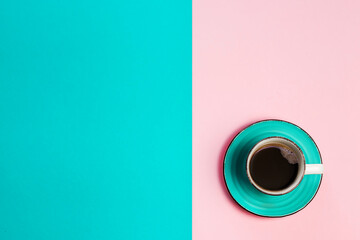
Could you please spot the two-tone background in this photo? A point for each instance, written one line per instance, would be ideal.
(115, 115)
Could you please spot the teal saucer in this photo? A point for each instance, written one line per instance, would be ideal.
(245, 194)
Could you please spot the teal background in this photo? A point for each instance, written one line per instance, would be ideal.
(95, 119)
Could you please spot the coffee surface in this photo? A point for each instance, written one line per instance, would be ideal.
(273, 168)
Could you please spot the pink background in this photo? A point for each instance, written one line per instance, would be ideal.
(292, 60)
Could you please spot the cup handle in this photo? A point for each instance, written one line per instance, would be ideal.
(314, 169)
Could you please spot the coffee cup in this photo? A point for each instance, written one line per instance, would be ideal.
(276, 166)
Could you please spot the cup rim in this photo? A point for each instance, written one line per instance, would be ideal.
(273, 193)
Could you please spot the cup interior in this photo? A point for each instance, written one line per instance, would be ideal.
(292, 153)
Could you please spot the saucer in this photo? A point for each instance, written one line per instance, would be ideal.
(245, 194)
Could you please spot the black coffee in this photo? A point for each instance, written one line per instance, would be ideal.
(274, 168)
